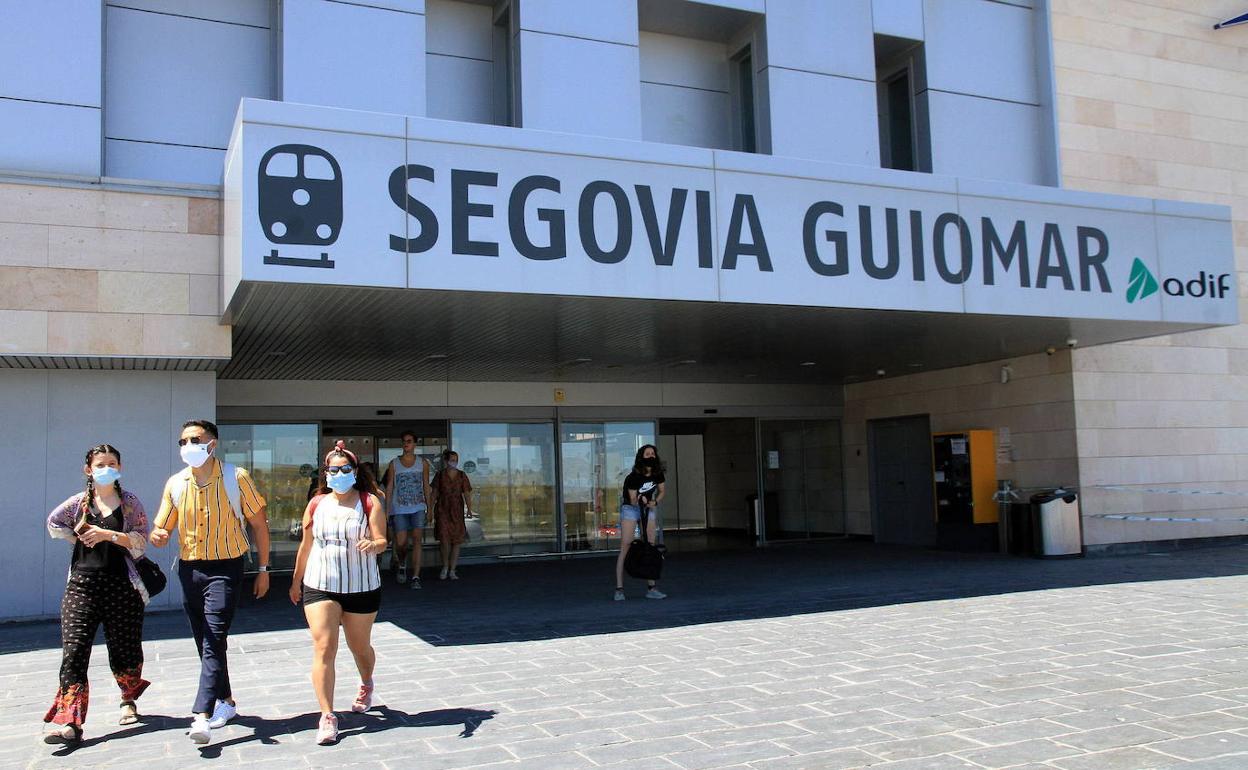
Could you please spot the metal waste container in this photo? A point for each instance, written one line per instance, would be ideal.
(1057, 525)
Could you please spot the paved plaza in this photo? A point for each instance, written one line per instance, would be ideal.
(834, 655)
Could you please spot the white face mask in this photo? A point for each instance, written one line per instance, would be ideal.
(194, 455)
(341, 483)
(105, 476)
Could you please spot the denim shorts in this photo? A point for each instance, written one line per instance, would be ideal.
(633, 513)
(406, 522)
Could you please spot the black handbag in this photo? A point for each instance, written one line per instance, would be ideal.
(152, 575)
(644, 560)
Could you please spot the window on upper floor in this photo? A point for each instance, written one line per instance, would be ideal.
(471, 64)
(744, 134)
(698, 67)
(901, 97)
(174, 71)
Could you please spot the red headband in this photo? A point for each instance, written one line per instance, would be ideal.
(341, 446)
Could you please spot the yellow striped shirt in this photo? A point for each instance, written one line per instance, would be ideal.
(209, 528)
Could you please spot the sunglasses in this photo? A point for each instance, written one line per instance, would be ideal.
(194, 440)
(334, 470)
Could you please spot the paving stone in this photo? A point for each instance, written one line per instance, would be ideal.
(839, 759)
(1018, 753)
(825, 656)
(1206, 746)
(725, 756)
(1132, 758)
(912, 748)
(944, 762)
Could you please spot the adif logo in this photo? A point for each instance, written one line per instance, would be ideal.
(1142, 284)
(300, 201)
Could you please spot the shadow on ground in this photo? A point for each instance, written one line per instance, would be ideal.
(282, 730)
(521, 601)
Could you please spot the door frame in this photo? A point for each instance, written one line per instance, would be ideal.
(872, 447)
(760, 518)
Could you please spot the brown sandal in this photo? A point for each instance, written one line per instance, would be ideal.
(69, 735)
(129, 713)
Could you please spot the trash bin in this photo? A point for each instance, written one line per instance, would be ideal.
(1018, 523)
(1057, 527)
(771, 513)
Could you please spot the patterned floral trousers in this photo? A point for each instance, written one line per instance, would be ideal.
(92, 599)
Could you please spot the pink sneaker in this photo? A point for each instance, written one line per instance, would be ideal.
(327, 730)
(363, 701)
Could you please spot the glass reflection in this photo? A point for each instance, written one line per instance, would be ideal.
(283, 460)
(512, 470)
(596, 457)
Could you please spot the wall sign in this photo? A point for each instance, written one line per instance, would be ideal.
(311, 198)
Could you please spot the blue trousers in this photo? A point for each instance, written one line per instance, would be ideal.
(210, 590)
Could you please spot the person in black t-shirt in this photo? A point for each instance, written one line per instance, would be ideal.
(643, 488)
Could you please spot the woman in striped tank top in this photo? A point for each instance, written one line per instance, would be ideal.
(336, 577)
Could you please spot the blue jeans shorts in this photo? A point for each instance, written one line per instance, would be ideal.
(406, 522)
(630, 518)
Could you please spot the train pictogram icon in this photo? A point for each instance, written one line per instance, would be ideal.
(300, 202)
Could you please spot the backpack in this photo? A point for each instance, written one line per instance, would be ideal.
(233, 493)
(644, 560)
(229, 476)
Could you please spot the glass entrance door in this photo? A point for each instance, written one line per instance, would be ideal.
(283, 461)
(511, 466)
(803, 491)
(596, 457)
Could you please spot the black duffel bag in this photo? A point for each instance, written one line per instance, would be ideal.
(644, 560)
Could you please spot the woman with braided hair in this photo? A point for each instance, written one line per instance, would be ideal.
(108, 528)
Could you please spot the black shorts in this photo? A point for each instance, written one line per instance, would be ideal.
(363, 603)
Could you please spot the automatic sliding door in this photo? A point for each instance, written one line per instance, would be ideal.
(803, 490)
(283, 461)
(512, 470)
(596, 457)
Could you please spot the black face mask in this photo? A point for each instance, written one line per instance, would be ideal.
(650, 463)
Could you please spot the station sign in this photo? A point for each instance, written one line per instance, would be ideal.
(324, 196)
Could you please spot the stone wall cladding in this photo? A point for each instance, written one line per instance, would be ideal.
(1152, 101)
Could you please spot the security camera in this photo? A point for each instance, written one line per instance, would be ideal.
(1071, 342)
(1050, 350)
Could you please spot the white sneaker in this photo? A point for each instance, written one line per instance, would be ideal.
(454, 576)
(327, 730)
(364, 701)
(200, 732)
(402, 578)
(224, 712)
(442, 574)
(655, 593)
(619, 595)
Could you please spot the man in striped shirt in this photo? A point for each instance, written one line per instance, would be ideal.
(203, 504)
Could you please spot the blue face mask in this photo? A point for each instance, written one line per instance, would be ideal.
(105, 476)
(341, 482)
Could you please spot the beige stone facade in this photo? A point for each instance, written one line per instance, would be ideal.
(1036, 405)
(1153, 101)
(93, 272)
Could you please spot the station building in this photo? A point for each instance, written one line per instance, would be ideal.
(848, 264)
